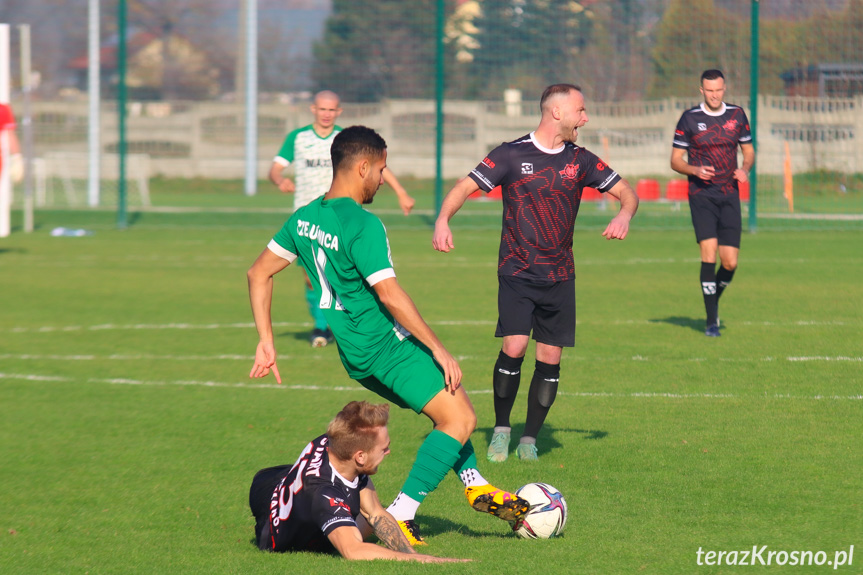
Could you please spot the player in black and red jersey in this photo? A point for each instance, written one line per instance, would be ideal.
(542, 176)
(708, 135)
(326, 501)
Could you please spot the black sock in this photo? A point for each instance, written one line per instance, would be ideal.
(543, 390)
(723, 278)
(708, 289)
(505, 381)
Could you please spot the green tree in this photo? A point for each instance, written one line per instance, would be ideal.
(528, 45)
(693, 36)
(375, 49)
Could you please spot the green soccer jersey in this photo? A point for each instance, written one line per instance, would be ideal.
(345, 251)
(310, 155)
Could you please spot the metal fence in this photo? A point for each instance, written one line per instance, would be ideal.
(638, 62)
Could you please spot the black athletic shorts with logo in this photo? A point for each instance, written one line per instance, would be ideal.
(545, 308)
(716, 217)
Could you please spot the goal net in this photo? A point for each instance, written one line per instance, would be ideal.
(62, 180)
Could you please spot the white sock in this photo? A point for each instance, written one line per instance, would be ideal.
(472, 478)
(403, 508)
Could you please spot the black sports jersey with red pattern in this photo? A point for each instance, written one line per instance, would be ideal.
(541, 190)
(297, 508)
(711, 139)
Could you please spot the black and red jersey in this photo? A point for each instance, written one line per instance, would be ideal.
(297, 507)
(541, 190)
(711, 139)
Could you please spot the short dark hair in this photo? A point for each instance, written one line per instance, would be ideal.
(711, 75)
(354, 143)
(554, 90)
(355, 427)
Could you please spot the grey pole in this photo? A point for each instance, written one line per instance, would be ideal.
(27, 126)
(94, 97)
(251, 97)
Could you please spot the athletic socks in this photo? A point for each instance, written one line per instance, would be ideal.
(436, 457)
(723, 278)
(465, 467)
(543, 391)
(429, 470)
(403, 508)
(315, 309)
(708, 290)
(505, 381)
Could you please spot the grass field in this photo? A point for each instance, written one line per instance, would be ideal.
(129, 431)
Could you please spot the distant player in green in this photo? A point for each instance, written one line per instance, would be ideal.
(383, 341)
(307, 149)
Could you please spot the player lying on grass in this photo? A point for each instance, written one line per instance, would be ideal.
(383, 341)
(326, 501)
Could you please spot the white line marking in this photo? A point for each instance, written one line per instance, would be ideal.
(149, 357)
(242, 357)
(477, 322)
(33, 377)
(342, 388)
(823, 358)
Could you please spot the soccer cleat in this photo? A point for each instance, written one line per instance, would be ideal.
(498, 449)
(712, 331)
(489, 499)
(412, 532)
(329, 335)
(526, 451)
(318, 338)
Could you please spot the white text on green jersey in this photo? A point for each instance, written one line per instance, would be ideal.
(314, 231)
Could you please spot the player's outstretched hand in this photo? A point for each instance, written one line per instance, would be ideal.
(740, 175)
(265, 360)
(442, 239)
(617, 228)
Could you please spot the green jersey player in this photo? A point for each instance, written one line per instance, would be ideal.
(383, 341)
(307, 151)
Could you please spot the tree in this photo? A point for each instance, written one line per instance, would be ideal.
(528, 45)
(694, 35)
(374, 49)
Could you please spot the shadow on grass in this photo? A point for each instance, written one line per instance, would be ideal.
(546, 441)
(696, 324)
(439, 526)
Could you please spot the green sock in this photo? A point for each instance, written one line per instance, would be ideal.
(436, 456)
(315, 310)
(466, 469)
(466, 459)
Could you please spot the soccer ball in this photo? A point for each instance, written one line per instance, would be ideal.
(547, 515)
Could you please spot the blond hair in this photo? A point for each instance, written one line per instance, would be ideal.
(355, 428)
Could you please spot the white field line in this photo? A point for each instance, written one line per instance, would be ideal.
(479, 322)
(242, 357)
(342, 388)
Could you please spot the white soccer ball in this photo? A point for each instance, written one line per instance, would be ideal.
(547, 515)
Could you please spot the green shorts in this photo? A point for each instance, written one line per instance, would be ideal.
(409, 378)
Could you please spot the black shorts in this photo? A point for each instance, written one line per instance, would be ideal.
(547, 309)
(260, 496)
(716, 217)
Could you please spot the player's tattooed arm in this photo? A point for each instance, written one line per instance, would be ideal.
(388, 531)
